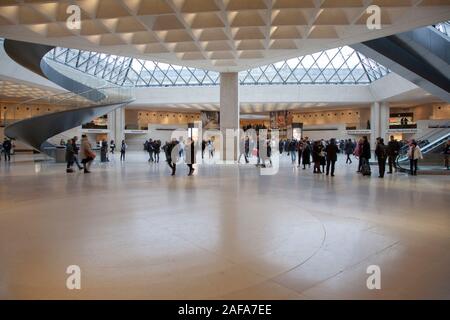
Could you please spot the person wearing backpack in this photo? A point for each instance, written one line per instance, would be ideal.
(381, 153)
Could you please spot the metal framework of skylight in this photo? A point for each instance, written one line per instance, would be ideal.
(341, 65)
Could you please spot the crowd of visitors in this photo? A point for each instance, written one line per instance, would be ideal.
(322, 154)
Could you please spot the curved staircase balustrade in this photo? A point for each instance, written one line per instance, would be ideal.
(83, 103)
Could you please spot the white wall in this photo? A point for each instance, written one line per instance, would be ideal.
(163, 135)
(255, 94)
(135, 142)
(317, 134)
(423, 127)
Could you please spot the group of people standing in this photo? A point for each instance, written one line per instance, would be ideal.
(322, 154)
(153, 147)
(112, 148)
(389, 153)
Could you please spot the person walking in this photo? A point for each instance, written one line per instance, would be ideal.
(123, 149)
(7, 146)
(157, 150)
(242, 143)
(331, 151)
(348, 148)
(112, 146)
(172, 154)
(414, 154)
(86, 153)
(393, 149)
(190, 155)
(150, 150)
(381, 153)
(69, 155)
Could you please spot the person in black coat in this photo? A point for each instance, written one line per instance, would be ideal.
(7, 146)
(104, 152)
(69, 155)
(150, 150)
(300, 152)
(323, 156)
(349, 148)
(247, 146)
(393, 149)
(190, 155)
(203, 148)
(172, 152)
(365, 152)
(381, 153)
(112, 146)
(332, 151)
(306, 155)
(446, 153)
(157, 149)
(316, 156)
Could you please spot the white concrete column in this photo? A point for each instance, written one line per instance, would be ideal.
(116, 125)
(374, 123)
(384, 120)
(229, 114)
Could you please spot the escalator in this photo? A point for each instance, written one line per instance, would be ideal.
(87, 99)
(432, 151)
(420, 56)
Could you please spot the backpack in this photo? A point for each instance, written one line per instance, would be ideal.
(365, 168)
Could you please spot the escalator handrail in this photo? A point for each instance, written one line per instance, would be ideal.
(426, 137)
(426, 149)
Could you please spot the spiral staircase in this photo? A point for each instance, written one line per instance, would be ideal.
(87, 97)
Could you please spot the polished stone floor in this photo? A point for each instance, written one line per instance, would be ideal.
(224, 233)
